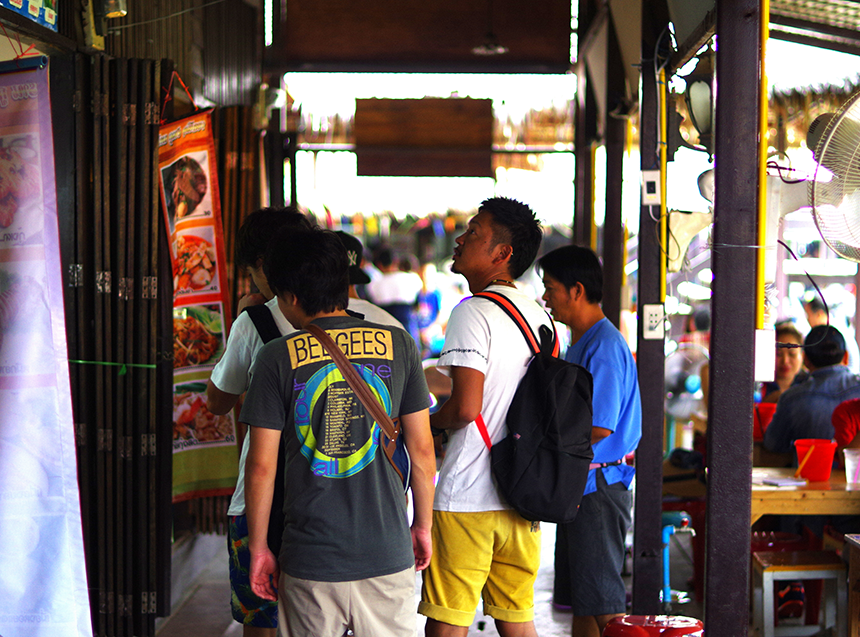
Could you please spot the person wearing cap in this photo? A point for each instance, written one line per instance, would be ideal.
(357, 276)
(805, 409)
(816, 314)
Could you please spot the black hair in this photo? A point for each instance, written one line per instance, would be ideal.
(515, 223)
(260, 226)
(824, 346)
(570, 265)
(702, 319)
(815, 304)
(312, 265)
(384, 257)
(787, 328)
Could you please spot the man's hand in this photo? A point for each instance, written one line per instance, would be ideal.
(422, 547)
(249, 300)
(264, 574)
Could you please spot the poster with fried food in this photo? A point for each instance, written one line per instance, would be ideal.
(205, 458)
(198, 335)
(195, 262)
(204, 444)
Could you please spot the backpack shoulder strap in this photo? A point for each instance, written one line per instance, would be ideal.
(516, 316)
(263, 320)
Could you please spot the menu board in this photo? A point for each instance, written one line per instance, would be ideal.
(43, 578)
(204, 444)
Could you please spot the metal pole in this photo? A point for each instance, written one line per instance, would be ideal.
(647, 542)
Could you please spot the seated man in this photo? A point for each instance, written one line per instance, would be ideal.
(805, 409)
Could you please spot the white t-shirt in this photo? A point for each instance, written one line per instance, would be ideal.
(373, 314)
(395, 287)
(232, 374)
(482, 337)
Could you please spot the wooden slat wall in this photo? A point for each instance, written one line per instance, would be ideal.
(215, 48)
(110, 261)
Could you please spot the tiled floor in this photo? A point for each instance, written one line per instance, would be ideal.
(206, 611)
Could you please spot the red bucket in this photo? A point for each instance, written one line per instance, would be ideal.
(762, 415)
(815, 458)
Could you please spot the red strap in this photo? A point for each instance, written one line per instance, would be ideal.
(483, 429)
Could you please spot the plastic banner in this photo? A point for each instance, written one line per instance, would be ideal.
(43, 12)
(43, 579)
(205, 460)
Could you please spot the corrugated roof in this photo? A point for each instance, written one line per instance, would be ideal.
(833, 24)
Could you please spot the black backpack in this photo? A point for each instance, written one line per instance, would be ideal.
(541, 466)
(268, 330)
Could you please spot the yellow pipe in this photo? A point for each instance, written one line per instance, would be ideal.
(663, 211)
(762, 169)
(593, 233)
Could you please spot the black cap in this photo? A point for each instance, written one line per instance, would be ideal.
(824, 346)
(355, 252)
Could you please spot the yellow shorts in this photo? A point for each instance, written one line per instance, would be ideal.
(492, 555)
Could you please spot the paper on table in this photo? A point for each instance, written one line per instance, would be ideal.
(784, 482)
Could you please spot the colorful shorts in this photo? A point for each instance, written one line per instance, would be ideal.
(247, 608)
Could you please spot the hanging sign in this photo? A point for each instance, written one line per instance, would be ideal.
(43, 578)
(43, 12)
(204, 445)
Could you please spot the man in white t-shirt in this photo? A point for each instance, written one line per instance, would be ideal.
(481, 546)
(228, 381)
(231, 377)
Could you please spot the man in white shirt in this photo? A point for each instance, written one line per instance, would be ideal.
(230, 378)
(481, 546)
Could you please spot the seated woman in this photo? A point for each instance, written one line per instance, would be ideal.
(789, 361)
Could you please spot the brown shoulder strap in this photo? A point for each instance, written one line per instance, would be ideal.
(361, 390)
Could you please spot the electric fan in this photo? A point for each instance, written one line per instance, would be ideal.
(683, 381)
(833, 192)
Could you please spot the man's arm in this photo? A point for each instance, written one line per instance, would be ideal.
(466, 401)
(260, 469)
(599, 433)
(419, 444)
(219, 402)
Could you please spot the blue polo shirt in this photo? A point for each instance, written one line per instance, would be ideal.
(603, 351)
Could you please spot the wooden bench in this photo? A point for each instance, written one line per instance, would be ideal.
(772, 566)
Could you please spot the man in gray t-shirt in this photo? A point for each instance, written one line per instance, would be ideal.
(348, 556)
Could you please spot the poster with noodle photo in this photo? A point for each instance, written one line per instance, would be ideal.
(204, 444)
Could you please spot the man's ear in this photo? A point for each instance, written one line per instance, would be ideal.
(845, 359)
(505, 252)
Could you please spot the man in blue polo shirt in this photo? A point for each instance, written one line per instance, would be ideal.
(590, 550)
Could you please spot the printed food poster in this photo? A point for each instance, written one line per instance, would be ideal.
(205, 457)
(43, 576)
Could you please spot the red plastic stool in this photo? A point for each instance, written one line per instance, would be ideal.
(647, 625)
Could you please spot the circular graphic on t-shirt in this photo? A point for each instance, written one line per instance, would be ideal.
(327, 400)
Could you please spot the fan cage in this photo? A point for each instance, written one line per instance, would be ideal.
(834, 192)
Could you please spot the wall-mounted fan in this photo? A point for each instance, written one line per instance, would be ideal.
(833, 192)
(683, 381)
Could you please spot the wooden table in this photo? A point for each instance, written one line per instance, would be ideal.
(834, 497)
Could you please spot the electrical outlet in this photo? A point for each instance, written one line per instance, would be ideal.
(653, 317)
(650, 187)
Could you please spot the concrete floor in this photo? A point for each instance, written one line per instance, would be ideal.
(205, 612)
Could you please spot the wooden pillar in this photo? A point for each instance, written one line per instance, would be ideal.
(613, 231)
(733, 310)
(647, 538)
